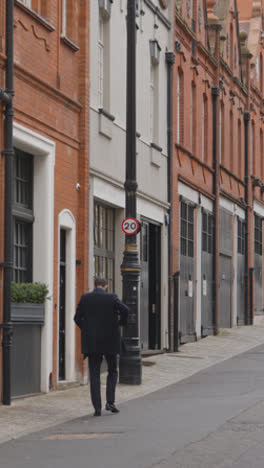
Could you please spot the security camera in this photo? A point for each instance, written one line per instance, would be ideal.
(78, 186)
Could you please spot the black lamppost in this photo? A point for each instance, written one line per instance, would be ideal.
(130, 367)
(6, 97)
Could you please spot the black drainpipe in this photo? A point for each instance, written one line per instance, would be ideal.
(215, 94)
(246, 125)
(7, 98)
(170, 60)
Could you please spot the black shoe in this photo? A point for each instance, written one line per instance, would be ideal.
(97, 412)
(111, 407)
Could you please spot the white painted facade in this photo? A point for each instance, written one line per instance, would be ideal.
(107, 132)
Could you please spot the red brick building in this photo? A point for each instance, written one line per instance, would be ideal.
(217, 168)
(50, 207)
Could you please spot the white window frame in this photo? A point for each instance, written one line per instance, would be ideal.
(101, 63)
(64, 18)
(27, 3)
(152, 101)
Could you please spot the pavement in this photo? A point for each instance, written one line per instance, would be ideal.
(29, 415)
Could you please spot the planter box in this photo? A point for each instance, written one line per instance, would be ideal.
(27, 313)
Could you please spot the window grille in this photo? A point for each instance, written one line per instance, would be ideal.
(23, 216)
(187, 229)
(241, 229)
(104, 243)
(207, 232)
(258, 235)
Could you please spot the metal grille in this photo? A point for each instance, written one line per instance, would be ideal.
(104, 242)
(241, 237)
(207, 233)
(187, 230)
(22, 254)
(23, 180)
(258, 235)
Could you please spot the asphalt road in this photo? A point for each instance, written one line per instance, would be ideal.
(213, 419)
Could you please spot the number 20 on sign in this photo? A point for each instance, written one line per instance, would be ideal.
(130, 226)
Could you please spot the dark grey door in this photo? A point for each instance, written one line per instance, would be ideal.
(240, 272)
(225, 304)
(62, 304)
(225, 269)
(258, 265)
(207, 327)
(186, 323)
(144, 290)
(258, 284)
(154, 286)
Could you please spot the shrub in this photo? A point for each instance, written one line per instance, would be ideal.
(29, 292)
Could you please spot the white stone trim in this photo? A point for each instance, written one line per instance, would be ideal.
(258, 209)
(43, 151)
(195, 197)
(109, 193)
(232, 207)
(66, 221)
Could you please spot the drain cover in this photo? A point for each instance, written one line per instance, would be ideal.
(91, 435)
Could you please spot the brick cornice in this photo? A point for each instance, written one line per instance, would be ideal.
(46, 88)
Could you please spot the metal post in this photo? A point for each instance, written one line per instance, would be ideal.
(215, 94)
(130, 366)
(246, 125)
(170, 60)
(8, 229)
(176, 286)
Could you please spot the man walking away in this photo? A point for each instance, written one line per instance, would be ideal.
(99, 315)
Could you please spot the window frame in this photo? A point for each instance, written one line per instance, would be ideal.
(107, 253)
(22, 214)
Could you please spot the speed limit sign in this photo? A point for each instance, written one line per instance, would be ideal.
(130, 226)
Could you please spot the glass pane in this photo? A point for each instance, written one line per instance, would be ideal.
(190, 231)
(204, 222)
(190, 214)
(190, 249)
(204, 242)
(110, 272)
(183, 247)
(183, 228)
(210, 244)
(183, 210)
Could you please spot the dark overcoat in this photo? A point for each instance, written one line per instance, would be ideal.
(99, 315)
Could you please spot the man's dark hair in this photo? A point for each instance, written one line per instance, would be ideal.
(100, 282)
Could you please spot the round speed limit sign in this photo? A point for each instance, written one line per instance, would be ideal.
(130, 226)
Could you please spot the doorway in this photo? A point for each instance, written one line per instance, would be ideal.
(62, 303)
(150, 325)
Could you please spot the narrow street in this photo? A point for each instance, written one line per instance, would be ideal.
(213, 419)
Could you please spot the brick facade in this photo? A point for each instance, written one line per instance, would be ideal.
(51, 72)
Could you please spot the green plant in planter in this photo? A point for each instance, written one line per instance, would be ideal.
(35, 293)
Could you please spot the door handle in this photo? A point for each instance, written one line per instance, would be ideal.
(153, 308)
